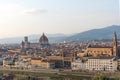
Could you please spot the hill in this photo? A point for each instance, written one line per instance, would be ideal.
(96, 34)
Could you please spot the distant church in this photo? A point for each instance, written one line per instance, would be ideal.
(96, 50)
(42, 44)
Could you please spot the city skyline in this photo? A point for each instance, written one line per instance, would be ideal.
(25, 17)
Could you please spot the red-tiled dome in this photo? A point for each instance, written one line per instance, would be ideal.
(43, 38)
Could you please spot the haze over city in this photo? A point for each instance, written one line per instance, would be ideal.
(25, 17)
(59, 40)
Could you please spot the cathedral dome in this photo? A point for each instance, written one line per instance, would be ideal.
(43, 39)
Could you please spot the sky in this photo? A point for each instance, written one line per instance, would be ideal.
(26, 17)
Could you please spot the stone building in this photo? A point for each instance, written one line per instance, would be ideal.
(96, 64)
(102, 64)
(41, 64)
(78, 65)
(42, 44)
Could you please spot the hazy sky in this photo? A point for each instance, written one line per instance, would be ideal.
(25, 17)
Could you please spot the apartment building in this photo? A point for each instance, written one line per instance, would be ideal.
(96, 64)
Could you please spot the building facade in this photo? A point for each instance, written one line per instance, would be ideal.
(78, 65)
(38, 63)
(97, 51)
(102, 64)
(96, 64)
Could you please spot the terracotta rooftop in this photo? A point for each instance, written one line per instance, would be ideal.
(54, 57)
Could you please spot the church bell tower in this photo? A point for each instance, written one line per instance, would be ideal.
(115, 45)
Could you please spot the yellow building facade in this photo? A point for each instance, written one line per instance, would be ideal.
(41, 64)
(99, 51)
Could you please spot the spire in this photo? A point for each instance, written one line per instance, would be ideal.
(115, 36)
(115, 44)
(22, 44)
(115, 39)
(43, 34)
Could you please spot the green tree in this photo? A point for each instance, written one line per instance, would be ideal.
(100, 77)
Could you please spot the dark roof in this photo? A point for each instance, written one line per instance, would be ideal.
(103, 57)
(36, 58)
(98, 46)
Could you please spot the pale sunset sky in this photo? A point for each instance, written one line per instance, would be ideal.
(25, 17)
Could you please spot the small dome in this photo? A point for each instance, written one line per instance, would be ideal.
(43, 38)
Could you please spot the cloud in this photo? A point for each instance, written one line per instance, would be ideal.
(37, 11)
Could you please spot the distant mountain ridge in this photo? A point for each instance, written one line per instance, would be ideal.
(97, 34)
(94, 34)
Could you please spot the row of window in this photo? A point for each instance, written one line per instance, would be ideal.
(99, 51)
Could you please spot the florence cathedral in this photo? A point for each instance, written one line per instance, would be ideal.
(42, 44)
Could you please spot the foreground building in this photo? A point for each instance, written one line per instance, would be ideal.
(78, 65)
(102, 64)
(41, 64)
(96, 64)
